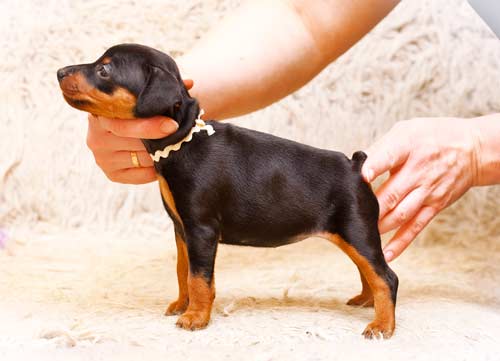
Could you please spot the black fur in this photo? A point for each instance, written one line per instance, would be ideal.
(244, 187)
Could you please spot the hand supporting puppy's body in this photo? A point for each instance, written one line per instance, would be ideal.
(451, 156)
(237, 186)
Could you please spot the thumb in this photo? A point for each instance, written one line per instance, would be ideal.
(144, 128)
(387, 153)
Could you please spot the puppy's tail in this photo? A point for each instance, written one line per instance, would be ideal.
(358, 158)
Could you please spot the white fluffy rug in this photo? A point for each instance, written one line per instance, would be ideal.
(89, 265)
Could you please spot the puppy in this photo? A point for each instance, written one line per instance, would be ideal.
(225, 184)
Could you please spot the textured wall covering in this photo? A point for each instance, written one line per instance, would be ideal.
(71, 278)
(427, 59)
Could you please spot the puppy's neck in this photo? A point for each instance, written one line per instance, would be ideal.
(185, 116)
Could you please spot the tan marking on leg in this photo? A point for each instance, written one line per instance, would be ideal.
(365, 298)
(180, 305)
(201, 298)
(168, 198)
(384, 323)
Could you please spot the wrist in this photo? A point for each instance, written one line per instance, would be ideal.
(486, 132)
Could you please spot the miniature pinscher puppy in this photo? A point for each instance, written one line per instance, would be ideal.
(223, 183)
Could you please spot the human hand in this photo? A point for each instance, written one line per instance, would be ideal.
(113, 140)
(432, 162)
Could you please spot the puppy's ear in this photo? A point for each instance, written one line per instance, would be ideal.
(160, 94)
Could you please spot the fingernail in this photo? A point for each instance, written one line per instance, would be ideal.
(388, 255)
(169, 126)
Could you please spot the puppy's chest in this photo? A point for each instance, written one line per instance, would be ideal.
(169, 201)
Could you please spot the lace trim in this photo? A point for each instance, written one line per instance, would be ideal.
(199, 126)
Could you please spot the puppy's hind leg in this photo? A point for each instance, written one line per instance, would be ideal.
(364, 248)
(365, 298)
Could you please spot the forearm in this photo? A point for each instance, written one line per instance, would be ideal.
(268, 49)
(488, 150)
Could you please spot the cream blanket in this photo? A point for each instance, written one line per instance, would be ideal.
(89, 265)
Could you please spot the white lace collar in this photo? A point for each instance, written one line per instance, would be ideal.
(198, 127)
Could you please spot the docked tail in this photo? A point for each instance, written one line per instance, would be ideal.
(358, 158)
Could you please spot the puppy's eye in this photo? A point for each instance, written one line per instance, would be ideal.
(103, 70)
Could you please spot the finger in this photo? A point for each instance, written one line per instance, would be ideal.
(147, 128)
(133, 175)
(384, 155)
(103, 142)
(394, 189)
(95, 125)
(407, 233)
(113, 161)
(403, 212)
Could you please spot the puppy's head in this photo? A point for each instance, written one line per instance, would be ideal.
(127, 81)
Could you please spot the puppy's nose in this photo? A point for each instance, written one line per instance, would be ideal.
(62, 73)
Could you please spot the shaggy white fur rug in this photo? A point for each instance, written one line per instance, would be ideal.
(88, 268)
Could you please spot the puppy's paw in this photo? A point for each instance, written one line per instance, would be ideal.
(177, 307)
(362, 300)
(378, 330)
(193, 320)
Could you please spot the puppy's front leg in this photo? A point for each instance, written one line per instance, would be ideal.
(179, 306)
(201, 248)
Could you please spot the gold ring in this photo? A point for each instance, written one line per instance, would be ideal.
(135, 159)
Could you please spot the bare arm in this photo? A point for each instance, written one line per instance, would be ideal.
(488, 150)
(268, 49)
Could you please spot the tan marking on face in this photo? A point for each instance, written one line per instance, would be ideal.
(106, 60)
(384, 307)
(83, 96)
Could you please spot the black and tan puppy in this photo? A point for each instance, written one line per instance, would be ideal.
(222, 183)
